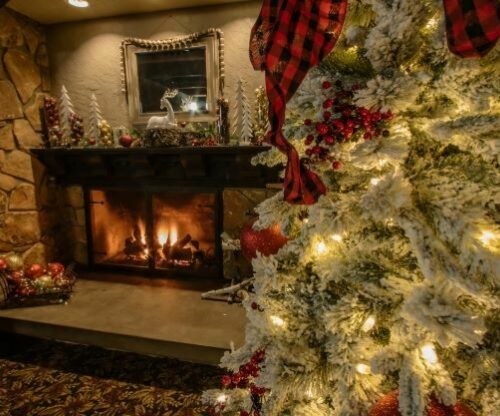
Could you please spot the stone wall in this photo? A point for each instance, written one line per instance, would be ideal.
(30, 219)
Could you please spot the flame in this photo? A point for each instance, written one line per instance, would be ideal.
(165, 234)
(162, 237)
(173, 234)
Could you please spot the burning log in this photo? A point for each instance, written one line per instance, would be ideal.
(134, 245)
(179, 251)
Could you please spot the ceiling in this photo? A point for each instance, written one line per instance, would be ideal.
(58, 11)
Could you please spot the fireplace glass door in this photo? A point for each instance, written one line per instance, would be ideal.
(166, 232)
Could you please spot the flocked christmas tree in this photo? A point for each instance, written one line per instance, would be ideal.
(70, 122)
(390, 282)
(242, 114)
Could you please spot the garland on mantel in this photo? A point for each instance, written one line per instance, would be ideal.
(174, 43)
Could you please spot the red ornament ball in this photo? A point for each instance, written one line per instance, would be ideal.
(33, 271)
(55, 269)
(389, 406)
(3, 265)
(266, 242)
(326, 85)
(126, 140)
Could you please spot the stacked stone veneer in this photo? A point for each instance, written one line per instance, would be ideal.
(36, 217)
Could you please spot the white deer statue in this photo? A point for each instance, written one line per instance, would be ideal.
(168, 121)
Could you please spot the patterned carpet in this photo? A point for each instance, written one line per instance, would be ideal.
(43, 378)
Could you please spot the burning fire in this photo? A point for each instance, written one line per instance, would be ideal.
(165, 234)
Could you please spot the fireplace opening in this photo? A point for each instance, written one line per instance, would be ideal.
(165, 232)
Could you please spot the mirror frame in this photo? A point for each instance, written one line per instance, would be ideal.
(213, 42)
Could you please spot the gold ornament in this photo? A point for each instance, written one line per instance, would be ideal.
(14, 262)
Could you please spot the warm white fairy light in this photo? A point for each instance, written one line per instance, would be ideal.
(337, 238)
(374, 181)
(309, 393)
(363, 369)
(432, 24)
(320, 247)
(276, 320)
(429, 353)
(305, 220)
(487, 237)
(222, 398)
(368, 324)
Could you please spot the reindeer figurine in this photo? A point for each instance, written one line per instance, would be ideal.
(168, 121)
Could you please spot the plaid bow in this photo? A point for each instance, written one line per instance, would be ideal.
(289, 38)
(472, 26)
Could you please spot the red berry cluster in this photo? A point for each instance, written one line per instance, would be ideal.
(341, 121)
(244, 379)
(256, 307)
(76, 123)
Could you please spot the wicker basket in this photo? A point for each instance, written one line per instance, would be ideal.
(57, 295)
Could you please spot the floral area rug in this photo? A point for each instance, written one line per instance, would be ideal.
(44, 378)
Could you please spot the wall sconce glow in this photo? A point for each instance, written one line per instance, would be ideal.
(374, 181)
(193, 106)
(276, 320)
(222, 399)
(369, 324)
(79, 3)
(487, 237)
(363, 369)
(321, 247)
(429, 353)
(337, 238)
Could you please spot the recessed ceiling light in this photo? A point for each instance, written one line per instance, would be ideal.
(79, 3)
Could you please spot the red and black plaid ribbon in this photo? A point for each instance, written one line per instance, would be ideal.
(289, 38)
(472, 26)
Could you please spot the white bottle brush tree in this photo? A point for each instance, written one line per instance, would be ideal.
(71, 123)
(242, 115)
(100, 131)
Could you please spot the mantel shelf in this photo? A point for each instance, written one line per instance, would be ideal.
(215, 167)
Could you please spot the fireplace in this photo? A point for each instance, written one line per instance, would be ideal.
(158, 231)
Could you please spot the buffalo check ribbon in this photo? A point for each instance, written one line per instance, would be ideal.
(472, 26)
(288, 38)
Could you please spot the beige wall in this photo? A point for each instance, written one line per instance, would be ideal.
(85, 56)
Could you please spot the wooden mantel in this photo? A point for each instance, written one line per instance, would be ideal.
(216, 167)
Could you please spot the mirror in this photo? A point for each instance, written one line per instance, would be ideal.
(191, 67)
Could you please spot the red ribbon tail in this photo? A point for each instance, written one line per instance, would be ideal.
(302, 186)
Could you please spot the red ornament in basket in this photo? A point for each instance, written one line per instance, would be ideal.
(33, 284)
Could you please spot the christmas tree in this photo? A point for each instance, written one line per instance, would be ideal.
(70, 122)
(99, 129)
(95, 118)
(386, 295)
(242, 115)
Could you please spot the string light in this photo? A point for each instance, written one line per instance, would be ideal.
(321, 247)
(222, 399)
(276, 320)
(429, 353)
(368, 324)
(309, 393)
(487, 237)
(337, 238)
(374, 181)
(363, 369)
(305, 220)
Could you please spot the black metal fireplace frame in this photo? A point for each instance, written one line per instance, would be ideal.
(151, 270)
